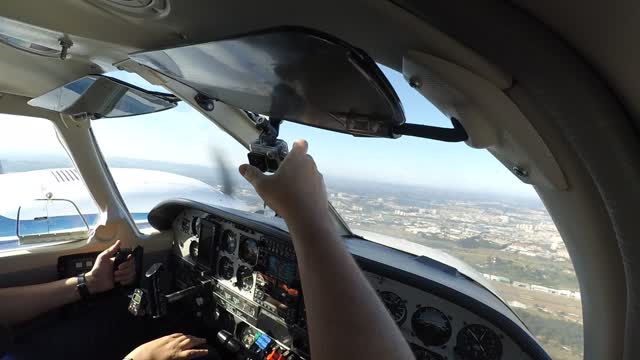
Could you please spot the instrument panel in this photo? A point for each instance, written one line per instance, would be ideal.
(438, 329)
(257, 290)
(257, 285)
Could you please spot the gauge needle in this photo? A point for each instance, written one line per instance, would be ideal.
(478, 341)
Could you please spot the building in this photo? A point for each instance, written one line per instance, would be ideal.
(501, 279)
(541, 288)
(522, 285)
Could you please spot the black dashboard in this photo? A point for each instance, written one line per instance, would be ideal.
(257, 287)
(257, 294)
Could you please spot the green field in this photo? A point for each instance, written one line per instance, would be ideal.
(562, 339)
(533, 270)
(557, 275)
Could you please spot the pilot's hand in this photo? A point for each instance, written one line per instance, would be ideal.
(102, 277)
(175, 346)
(296, 190)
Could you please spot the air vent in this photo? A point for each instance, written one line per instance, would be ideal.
(65, 175)
(135, 8)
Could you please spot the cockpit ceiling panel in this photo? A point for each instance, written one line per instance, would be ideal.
(379, 28)
(291, 73)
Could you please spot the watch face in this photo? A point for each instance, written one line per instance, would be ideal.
(83, 290)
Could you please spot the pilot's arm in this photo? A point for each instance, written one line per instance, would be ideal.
(346, 319)
(22, 303)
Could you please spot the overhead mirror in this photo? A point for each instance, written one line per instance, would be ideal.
(291, 73)
(99, 96)
(47, 220)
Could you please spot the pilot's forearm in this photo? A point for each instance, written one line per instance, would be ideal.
(346, 319)
(22, 303)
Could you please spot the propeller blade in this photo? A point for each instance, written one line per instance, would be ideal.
(219, 161)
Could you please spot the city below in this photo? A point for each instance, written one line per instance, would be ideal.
(511, 241)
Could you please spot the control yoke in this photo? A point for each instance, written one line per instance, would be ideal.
(152, 301)
(123, 255)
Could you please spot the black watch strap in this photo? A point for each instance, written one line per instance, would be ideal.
(82, 287)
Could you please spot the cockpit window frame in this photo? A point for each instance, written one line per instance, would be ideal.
(188, 95)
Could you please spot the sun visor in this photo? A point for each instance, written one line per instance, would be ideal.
(291, 73)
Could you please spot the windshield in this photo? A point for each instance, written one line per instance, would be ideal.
(176, 153)
(404, 193)
(460, 201)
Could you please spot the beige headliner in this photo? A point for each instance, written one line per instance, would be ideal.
(605, 33)
(599, 30)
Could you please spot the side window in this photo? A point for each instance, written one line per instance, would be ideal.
(44, 200)
(181, 154)
(176, 153)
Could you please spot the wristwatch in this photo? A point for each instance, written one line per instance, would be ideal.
(82, 287)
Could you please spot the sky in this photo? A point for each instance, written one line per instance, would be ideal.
(185, 136)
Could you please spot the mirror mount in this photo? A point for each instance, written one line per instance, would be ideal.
(269, 130)
(82, 116)
(205, 102)
(456, 134)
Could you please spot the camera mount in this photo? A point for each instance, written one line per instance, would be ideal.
(267, 152)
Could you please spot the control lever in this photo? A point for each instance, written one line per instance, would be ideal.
(230, 343)
(121, 257)
(123, 254)
(235, 347)
(153, 301)
(157, 303)
(263, 348)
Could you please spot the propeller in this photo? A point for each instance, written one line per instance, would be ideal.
(225, 174)
(219, 162)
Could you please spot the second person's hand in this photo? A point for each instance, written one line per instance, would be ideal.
(170, 347)
(102, 276)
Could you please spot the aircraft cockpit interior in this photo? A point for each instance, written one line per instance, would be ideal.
(469, 176)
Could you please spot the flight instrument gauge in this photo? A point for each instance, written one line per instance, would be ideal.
(423, 354)
(225, 268)
(396, 305)
(431, 326)
(478, 342)
(245, 278)
(193, 249)
(248, 250)
(195, 226)
(246, 334)
(229, 242)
